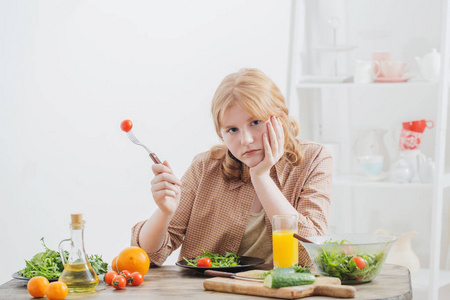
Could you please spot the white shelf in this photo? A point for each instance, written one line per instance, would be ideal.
(334, 48)
(446, 180)
(308, 85)
(357, 181)
(421, 279)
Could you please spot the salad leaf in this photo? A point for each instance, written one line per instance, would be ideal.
(97, 263)
(229, 260)
(49, 264)
(294, 269)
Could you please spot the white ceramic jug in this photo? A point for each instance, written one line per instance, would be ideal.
(429, 65)
(425, 168)
(411, 157)
(401, 252)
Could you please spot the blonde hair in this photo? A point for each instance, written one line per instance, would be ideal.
(261, 98)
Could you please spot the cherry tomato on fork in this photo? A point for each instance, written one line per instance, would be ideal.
(126, 125)
(204, 262)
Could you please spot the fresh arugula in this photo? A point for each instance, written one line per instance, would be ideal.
(229, 260)
(49, 264)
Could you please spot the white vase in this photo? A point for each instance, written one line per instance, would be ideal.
(401, 252)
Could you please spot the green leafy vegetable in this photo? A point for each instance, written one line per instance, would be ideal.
(291, 270)
(229, 260)
(100, 267)
(49, 264)
(340, 264)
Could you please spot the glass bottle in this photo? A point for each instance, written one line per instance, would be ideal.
(78, 273)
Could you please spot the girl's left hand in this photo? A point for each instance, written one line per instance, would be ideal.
(273, 142)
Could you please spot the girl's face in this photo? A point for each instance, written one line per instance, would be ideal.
(243, 135)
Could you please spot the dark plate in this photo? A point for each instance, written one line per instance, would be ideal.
(246, 263)
(17, 276)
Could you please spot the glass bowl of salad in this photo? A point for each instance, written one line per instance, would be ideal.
(353, 258)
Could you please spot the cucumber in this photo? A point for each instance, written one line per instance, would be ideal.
(282, 271)
(277, 280)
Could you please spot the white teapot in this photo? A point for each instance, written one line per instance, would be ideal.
(429, 65)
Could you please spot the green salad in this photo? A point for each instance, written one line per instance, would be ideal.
(229, 260)
(347, 265)
(49, 264)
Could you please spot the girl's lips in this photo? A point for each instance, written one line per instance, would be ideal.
(250, 152)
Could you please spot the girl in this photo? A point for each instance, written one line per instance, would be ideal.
(226, 199)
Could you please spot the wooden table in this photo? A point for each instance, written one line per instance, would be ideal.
(172, 282)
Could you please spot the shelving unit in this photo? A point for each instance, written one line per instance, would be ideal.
(303, 96)
(314, 85)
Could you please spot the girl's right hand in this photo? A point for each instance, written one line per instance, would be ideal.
(165, 188)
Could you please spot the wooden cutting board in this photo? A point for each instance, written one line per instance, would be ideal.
(324, 286)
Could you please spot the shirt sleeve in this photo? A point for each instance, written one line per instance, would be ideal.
(314, 201)
(177, 226)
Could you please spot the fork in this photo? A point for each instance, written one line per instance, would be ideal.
(136, 141)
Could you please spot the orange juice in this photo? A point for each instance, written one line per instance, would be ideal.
(285, 248)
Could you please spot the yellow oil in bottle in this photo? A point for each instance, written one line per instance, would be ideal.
(80, 278)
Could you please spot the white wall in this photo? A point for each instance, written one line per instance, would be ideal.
(71, 71)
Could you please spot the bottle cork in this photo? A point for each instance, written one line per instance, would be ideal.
(77, 221)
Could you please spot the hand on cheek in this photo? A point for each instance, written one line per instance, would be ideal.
(273, 142)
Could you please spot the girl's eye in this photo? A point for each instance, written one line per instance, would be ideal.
(231, 130)
(256, 122)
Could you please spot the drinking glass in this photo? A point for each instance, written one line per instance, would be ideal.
(285, 246)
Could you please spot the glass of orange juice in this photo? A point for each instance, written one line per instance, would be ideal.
(285, 246)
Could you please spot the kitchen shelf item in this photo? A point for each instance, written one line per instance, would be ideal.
(429, 65)
(401, 252)
(393, 80)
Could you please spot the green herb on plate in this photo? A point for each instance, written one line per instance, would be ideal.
(229, 260)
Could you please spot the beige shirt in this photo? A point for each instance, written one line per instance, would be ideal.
(256, 238)
(213, 213)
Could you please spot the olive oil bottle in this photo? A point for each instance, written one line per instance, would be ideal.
(78, 273)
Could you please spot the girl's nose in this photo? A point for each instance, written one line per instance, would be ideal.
(246, 137)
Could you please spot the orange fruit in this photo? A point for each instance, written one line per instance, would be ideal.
(57, 290)
(114, 264)
(133, 259)
(36, 286)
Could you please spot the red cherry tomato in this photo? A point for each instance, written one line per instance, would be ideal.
(136, 278)
(126, 274)
(109, 277)
(119, 282)
(204, 262)
(126, 125)
(360, 262)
